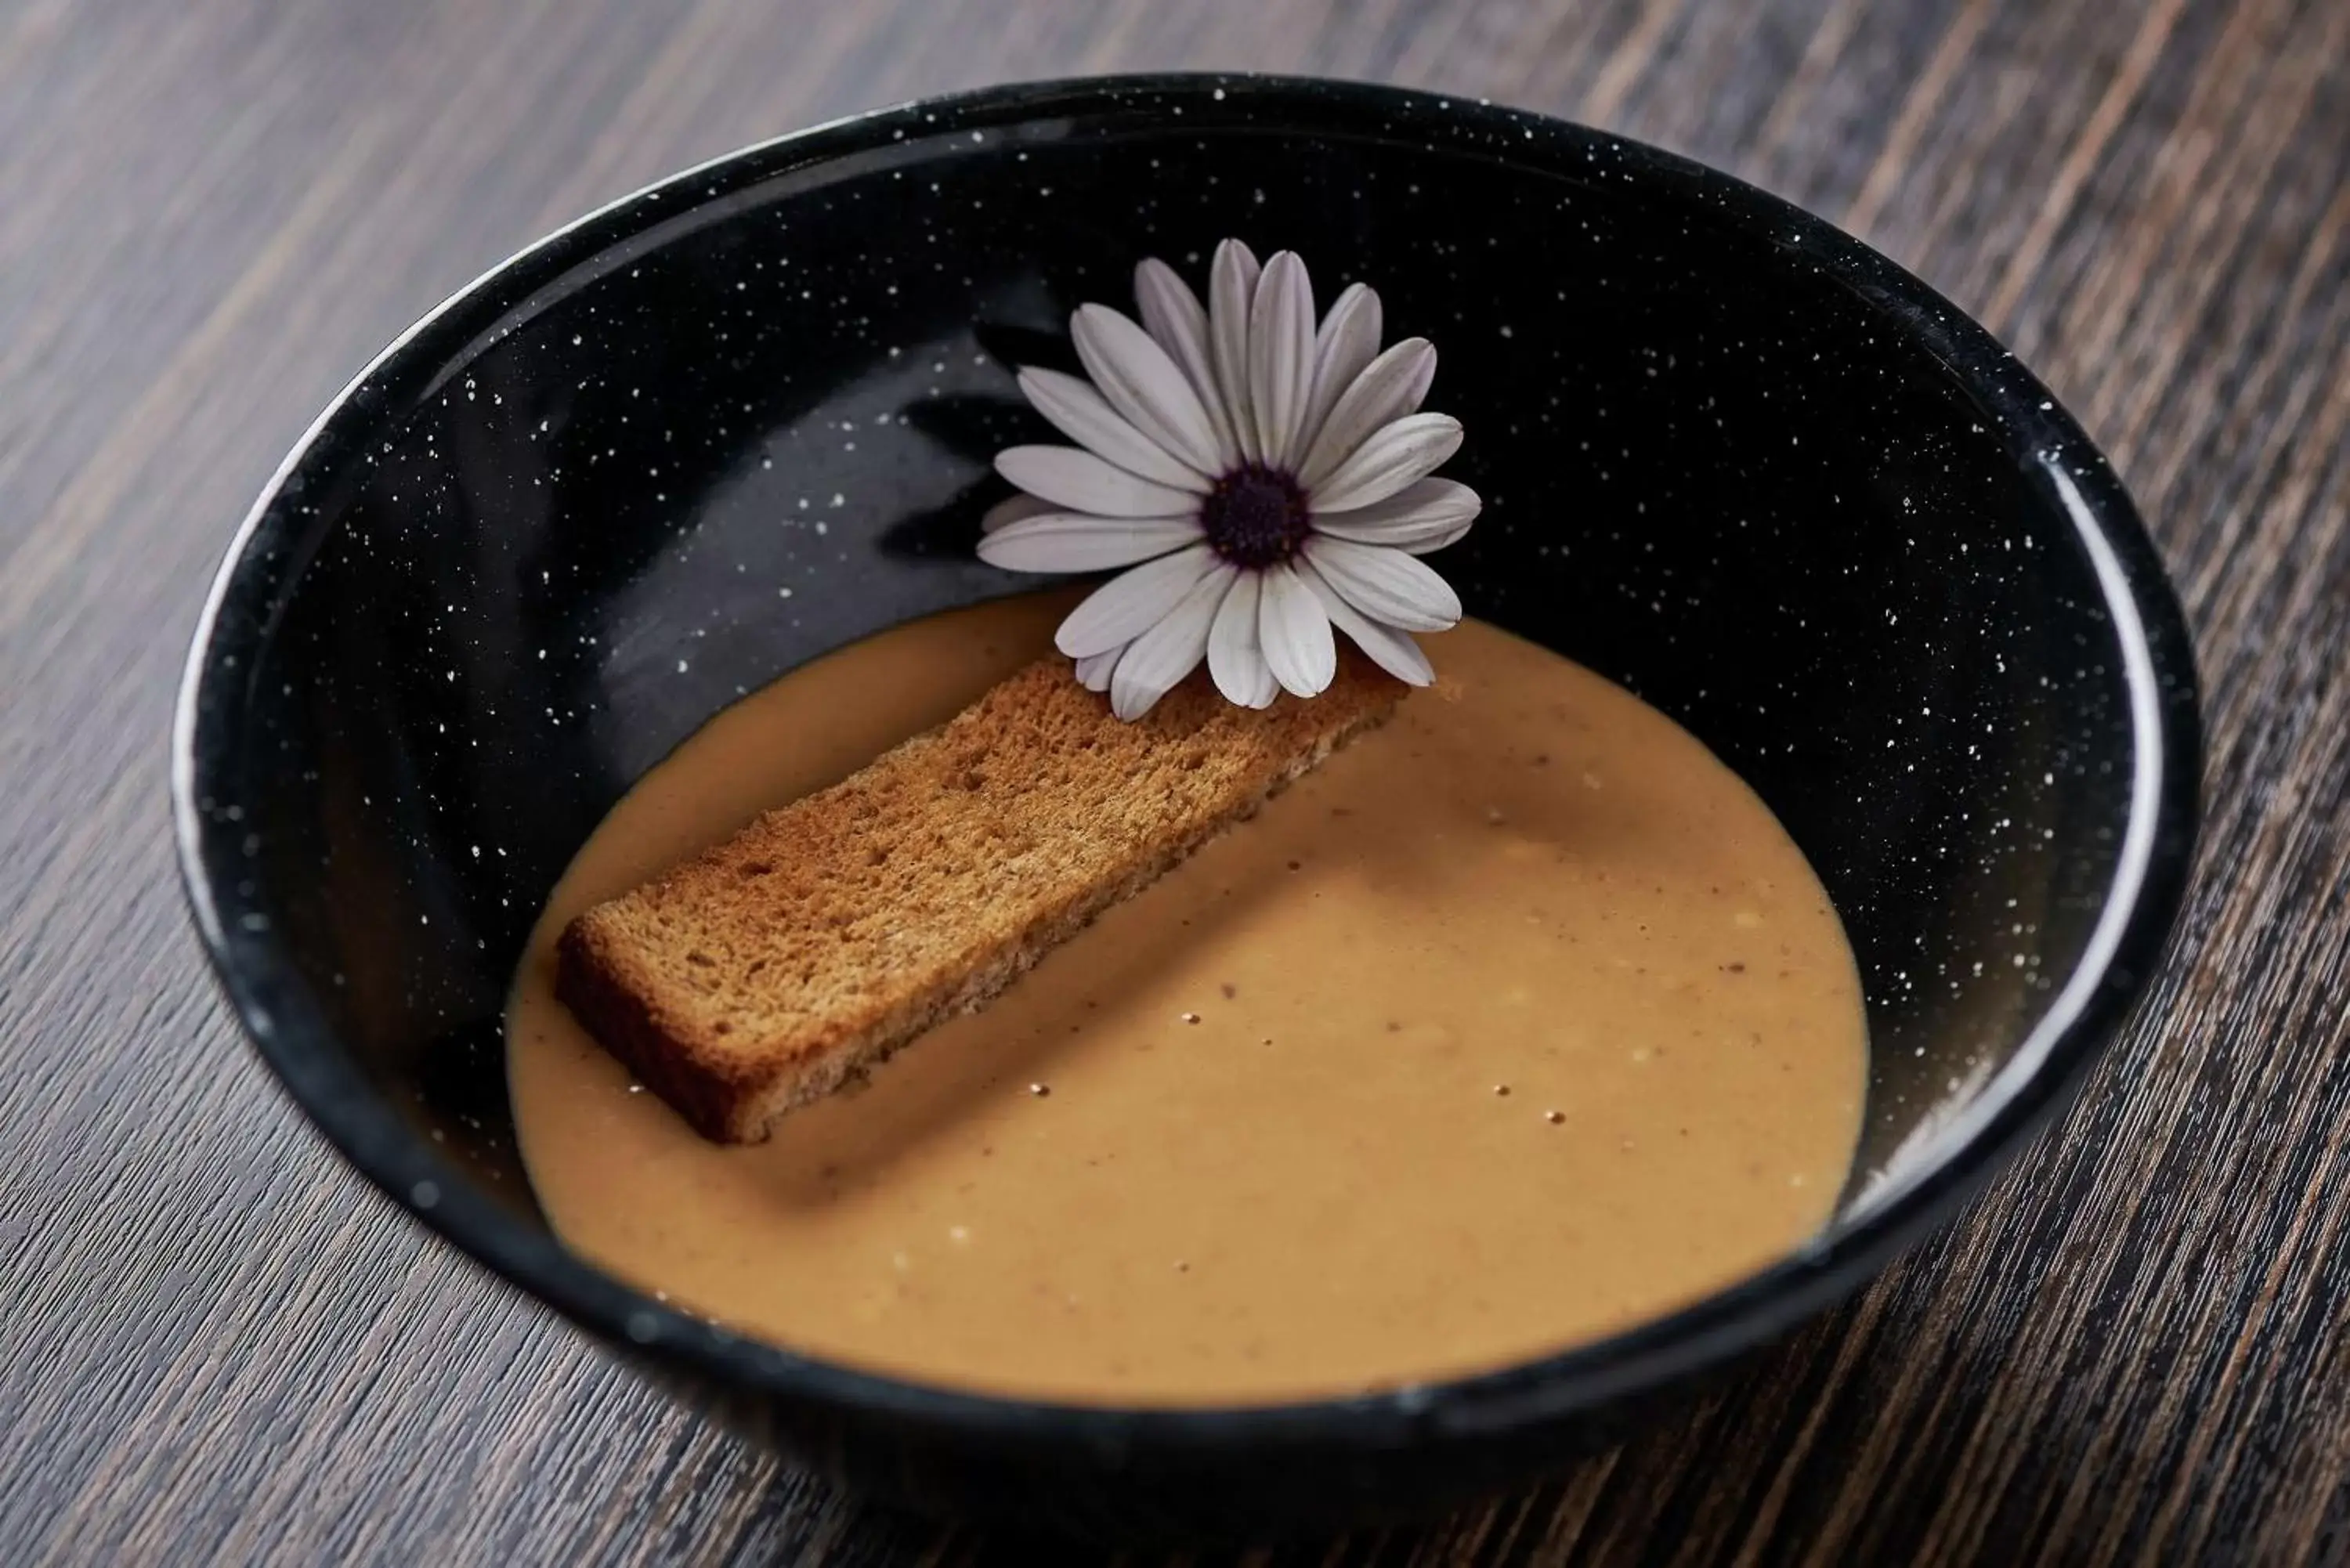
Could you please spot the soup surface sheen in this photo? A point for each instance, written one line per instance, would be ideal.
(1518, 1021)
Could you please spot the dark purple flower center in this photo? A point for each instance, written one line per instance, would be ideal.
(1255, 517)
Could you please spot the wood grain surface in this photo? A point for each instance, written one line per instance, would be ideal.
(215, 1345)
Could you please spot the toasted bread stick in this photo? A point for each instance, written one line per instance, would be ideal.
(769, 971)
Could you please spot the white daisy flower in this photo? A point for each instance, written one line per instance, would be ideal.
(1266, 479)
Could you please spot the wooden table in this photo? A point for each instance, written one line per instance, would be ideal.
(216, 1345)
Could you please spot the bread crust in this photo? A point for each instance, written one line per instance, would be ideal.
(769, 971)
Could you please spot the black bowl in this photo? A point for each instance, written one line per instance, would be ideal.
(1733, 460)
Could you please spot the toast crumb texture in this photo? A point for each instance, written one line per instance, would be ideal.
(769, 971)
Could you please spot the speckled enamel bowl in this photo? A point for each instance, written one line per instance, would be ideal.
(1732, 459)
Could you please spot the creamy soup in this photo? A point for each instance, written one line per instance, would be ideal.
(1517, 1023)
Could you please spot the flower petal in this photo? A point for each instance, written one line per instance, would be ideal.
(1072, 477)
(1418, 515)
(1386, 585)
(1093, 670)
(1142, 383)
(1131, 603)
(1173, 317)
(1294, 632)
(1235, 658)
(1170, 650)
(1232, 292)
(1393, 457)
(1391, 386)
(1391, 650)
(1280, 356)
(1012, 509)
(1348, 340)
(1430, 546)
(1079, 541)
(1085, 416)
